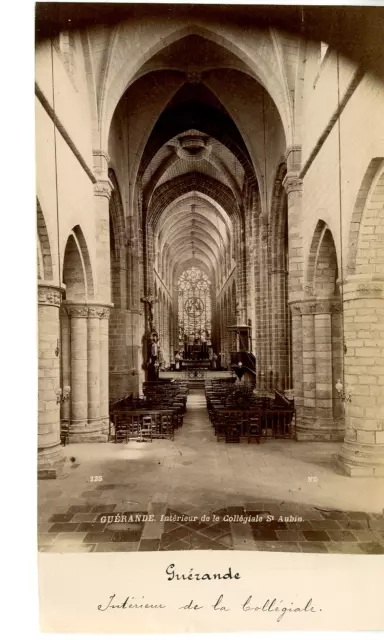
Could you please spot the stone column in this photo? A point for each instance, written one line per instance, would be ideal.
(265, 317)
(93, 379)
(102, 190)
(297, 362)
(65, 360)
(89, 372)
(279, 337)
(329, 423)
(337, 362)
(123, 291)
(241, 275)
(49, 449)
(104, 372)
(309, 367)
(323, 352)
(362, 453)
(294, 187)
(318, 420)
(79, 362)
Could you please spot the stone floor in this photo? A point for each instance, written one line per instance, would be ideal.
(196, 493)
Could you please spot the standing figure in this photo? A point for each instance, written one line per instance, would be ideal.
(153, 357)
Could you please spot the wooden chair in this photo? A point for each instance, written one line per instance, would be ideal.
(145, 428)
(121, 427)
(232, 428)
(254, 425)
(219, 424)
(156, 426)
(64, 432)
(167, 428)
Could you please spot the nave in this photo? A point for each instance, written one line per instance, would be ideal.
(210, 204)
(208, 490)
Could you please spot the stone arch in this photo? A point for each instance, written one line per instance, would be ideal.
(77, 272)
(44, 255)
(173, 121)
(173, 189)
(322, 248)
(86, 259)
(326, 270)
(258, 68)
(362, 199)
(323, 335)
(362, 452)
(369, 239)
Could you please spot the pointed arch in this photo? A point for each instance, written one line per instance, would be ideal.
(44, 255)
(173, 189)
(255, 65)
(77, 271)
(322, 270)
(365, 236)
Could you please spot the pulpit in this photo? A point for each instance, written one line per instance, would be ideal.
(243, 361)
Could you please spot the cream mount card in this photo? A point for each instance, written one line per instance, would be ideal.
(210, 278)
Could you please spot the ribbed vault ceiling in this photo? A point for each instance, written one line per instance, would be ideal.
(194, 165)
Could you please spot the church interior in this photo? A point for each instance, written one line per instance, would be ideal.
(210, 275)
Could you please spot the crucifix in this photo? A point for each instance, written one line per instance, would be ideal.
(149, 301)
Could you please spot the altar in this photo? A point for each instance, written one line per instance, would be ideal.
(196, 364)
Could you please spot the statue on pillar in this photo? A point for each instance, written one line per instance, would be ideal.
(148, 302)
(151, 339)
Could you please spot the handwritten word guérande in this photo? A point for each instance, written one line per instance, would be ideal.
(189, 575)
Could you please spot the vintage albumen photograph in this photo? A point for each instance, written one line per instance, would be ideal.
(210, 274)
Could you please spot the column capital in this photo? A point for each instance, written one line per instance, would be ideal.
(315, 307)
(76, 310)
(99, 311)
(49, 295)
(84, 310)
(101, 162)
(103, 188)
(363, 286)
(293, 158)
(292, 182)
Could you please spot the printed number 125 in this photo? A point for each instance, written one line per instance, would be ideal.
(96, 478)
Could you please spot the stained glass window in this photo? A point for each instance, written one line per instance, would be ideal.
(194, 295)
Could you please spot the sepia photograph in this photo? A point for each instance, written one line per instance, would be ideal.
(210, 280)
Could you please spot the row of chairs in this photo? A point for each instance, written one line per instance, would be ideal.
(248, 417)
(144, 425)
(156, 415)
(236, 425)
(239, 425)
(173, 393)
